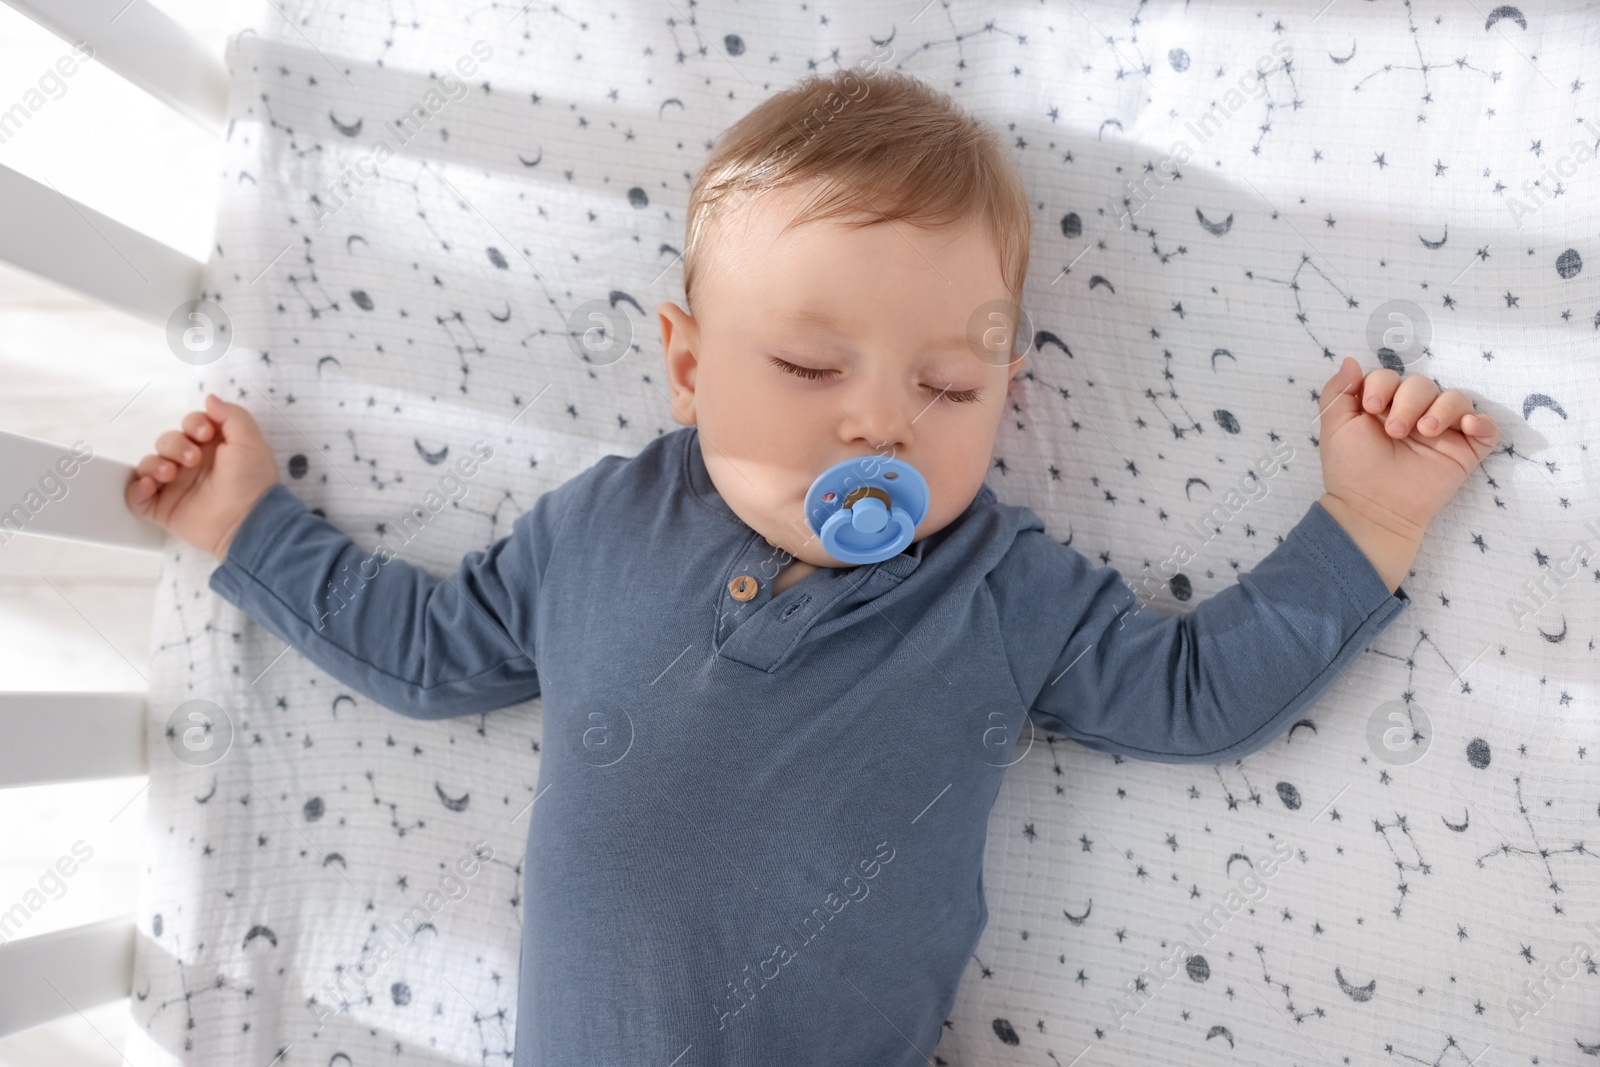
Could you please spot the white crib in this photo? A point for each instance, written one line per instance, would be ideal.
(56, 737)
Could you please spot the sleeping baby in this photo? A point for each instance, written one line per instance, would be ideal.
(767, 765)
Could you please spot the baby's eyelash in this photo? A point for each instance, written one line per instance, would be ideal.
(962, 396)
(804, 372)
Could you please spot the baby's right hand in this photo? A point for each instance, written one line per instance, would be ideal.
(201, 482)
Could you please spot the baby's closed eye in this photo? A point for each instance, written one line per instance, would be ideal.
(959, 396)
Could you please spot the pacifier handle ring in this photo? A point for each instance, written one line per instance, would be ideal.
(840, 520)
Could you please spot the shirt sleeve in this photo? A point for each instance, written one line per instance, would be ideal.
(1215, 684)
(428, 647)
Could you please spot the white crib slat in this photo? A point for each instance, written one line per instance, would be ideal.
(49, 234)
(70, 737)
(51, 975)
(89, 503)
(142, 44)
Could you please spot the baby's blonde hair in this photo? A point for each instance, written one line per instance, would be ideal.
(883, 144)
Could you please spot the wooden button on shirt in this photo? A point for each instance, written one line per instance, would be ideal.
(741, 800)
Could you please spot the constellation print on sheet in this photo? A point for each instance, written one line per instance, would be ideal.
(310, 280)
(1251, 792)
(1288, 997)
(1408, 694)
(1451, 1048)
(200, 995)
(1301, 315)
(1423, 66)
(186, 639)
(1150, 394)
(395, 824)
(1540, 850)
(1270, 102)
(1401, 865)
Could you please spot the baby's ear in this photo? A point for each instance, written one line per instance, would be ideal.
(679, 339)
(678, 328)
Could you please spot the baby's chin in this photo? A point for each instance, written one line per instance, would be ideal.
(805, 550)
(789, 535)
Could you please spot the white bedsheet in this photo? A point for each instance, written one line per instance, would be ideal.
(1378, 163)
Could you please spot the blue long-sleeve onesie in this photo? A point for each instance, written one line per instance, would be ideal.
(759, 828)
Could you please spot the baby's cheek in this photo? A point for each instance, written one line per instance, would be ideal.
(958, 472)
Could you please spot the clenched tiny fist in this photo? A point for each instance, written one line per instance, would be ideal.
(202, 480)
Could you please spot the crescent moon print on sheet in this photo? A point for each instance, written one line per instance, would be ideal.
(452, 803)
(1215, 229)
(392, 306)
(1359, 994)
(349, 129)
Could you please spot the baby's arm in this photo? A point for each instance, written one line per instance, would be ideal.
(425, 646)
(1217, 683)
(1227, 678)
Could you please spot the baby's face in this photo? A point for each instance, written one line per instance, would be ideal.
(874, 323)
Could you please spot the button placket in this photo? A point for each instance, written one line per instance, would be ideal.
(765, 637)
(745, 589)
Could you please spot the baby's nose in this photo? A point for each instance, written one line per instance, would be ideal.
(883, 429)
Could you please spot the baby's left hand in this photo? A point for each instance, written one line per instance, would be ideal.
(1395, 450)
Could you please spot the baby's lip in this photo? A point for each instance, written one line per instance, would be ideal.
(869, 463)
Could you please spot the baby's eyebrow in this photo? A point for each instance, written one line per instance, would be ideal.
(819, 317)
(811, 316)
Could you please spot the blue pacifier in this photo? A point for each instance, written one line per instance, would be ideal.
(867, 509)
